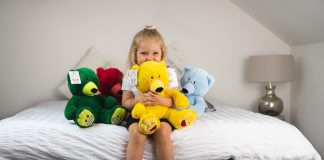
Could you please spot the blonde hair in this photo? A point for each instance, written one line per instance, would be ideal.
(148, 33)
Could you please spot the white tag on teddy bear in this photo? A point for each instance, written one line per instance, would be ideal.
(132, 77)
(74, 77)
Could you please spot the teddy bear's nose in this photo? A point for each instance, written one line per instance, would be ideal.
(120, 92)
(158, 90)
(184, 90)
(94, 90)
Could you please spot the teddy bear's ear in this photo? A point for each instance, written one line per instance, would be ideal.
(100, 70)
(211, 80)
(135, 67)
(163, 63)
(187, 68)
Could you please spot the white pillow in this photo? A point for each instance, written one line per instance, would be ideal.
(174, 59)
(92, 59)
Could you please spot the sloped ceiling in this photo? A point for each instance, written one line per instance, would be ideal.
(297, 22)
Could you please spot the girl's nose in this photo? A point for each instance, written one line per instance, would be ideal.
(149, 58)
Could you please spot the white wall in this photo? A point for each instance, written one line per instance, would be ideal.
(307, 93)
(41, 40)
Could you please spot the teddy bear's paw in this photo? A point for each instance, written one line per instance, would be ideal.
(148, 124)
(138, 110)
(118, 116)
(110, 102)
(189, 117)
(86, 118)
(181, 101)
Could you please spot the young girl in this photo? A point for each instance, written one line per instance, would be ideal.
(147, 45)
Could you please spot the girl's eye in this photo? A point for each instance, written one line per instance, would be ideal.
(156, 53)
(143, 53)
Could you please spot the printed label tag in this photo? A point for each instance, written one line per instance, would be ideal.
(132, 77)
(90, 121)
(74, 77)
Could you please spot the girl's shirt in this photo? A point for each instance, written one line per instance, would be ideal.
(173, 82)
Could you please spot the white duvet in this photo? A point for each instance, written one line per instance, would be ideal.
(42, 132)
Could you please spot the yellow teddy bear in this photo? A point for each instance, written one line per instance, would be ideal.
(152, 76)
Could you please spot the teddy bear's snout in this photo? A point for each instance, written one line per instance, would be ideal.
(184, 90)
(116, 90)
(157, 86)
(90, 89)
(94, 90)
(188, 88)
(158, 90)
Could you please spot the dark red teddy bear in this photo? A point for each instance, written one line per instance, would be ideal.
(110, 81)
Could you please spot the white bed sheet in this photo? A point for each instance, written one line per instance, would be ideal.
(42, 132)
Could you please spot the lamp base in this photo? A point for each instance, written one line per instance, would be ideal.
(270, 104)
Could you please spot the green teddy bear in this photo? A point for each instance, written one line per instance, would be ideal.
(85, 107)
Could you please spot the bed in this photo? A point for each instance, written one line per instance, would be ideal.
(42, 132)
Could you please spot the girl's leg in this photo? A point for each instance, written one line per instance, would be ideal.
(135, 146)
(163, 144)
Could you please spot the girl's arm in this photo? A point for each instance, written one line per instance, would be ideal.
(148, 99)
(128, 100)
(167, 102)
(164, 101)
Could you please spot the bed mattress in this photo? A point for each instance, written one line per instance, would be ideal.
(42, 132)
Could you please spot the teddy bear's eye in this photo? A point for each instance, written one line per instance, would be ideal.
(151, 77)
(194, 82)
(188, 79)
(159, 76)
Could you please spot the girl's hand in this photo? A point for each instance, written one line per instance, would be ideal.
(148, 98)
(152, 99)
(163, 101)
(158, 100)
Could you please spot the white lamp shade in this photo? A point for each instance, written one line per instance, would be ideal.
(270, 68)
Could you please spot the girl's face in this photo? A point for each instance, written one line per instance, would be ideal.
(149, 50)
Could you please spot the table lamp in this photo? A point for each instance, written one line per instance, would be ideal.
(269, 69)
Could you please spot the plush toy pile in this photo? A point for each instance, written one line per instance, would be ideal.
(152, 76)
(195, 83)
(110, 81)
(85, 107)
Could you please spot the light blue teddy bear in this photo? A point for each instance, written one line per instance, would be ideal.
(195, 83)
